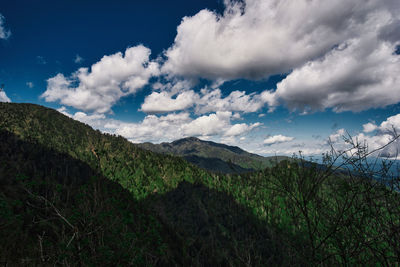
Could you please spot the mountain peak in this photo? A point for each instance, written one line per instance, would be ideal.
(212, 156)
(190, 139)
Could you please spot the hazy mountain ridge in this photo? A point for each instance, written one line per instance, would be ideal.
(214, 156)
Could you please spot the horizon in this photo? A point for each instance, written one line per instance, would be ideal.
(271, 78)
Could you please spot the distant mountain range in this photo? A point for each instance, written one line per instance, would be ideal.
(213, 156)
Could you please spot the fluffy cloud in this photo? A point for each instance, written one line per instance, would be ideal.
(212, 101)
(94, 120)
(204, 102)
(108, 80)
(218, 123)
(390, 124)
(277, 139)
(387, 131)
(163, 102)
(338, 54)
(337, 136)
(355, 76)
(369, 127)
(383, 134)
(4, 34)
(169, 127)
(3, 97)
(257, 38)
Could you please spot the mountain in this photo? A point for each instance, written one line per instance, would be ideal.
(70, 195)
(214, 156)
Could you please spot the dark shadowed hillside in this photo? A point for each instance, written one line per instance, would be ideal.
(57, 210)
(61, 201)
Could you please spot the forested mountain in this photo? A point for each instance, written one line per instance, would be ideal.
(71, 195)
(213, 156)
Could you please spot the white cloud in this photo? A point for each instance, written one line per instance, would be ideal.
(206, 101)
(337, 136)
(239, 129)
(108, 80)
(390, 124)
(239, 101)
(4, 33)
(308, 147)
(355, 76)
(369, 127)
(208, 125)
(78, 59)
(383, 134)
(277, 139)
(94, 120)
(3, 97)
(163, 102)
(64, 111)
(257, 38)
(290, 151)
(236, 116)
(30, 84)
(338, 54)
(386, 132)
(218, 123)
(169, 127)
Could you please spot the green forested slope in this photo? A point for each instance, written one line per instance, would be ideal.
(71, 195)
(116, 192)
(55, 209)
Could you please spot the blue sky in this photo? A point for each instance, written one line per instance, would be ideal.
(269, 76)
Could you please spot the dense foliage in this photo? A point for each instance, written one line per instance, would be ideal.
(71, 195)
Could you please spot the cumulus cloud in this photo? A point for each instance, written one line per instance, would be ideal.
(369, 127)
(218, 123)
(168, 127)
(174, 126)
(4, 33)
(206, 101)
(94, 120)
(381, 138)
(164, 102)
(277, 139)
(3, 97)
(257, 38)
(337, 136)
(355, 76)
(338, 55)
(239, 101)
(99, 88)
(390, 124)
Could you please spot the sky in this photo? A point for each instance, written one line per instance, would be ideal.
(269, 76)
